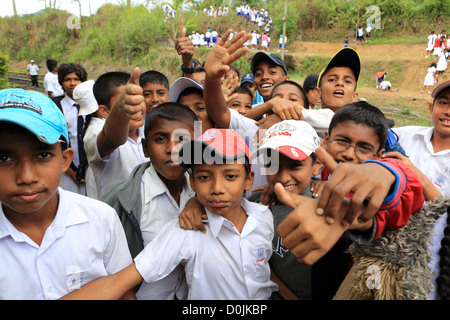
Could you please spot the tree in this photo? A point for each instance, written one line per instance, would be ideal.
(14, 7)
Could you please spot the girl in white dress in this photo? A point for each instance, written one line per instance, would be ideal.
(429, 78)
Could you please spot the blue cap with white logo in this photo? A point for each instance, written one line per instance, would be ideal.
(35, 112)
(248, 77)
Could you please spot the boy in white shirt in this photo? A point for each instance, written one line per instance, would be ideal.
(428, 148)
(230, 260)
(113, 138)
(156, 191)
(52, 241)
(51, 84)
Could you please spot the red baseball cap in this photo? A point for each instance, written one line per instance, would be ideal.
(213, 147)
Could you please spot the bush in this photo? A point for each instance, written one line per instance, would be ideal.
(4, 70)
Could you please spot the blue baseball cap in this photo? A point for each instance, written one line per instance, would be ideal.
(248, 77)
(35, 112)
(271, 57)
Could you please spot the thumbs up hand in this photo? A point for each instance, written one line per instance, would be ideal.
(133, 100)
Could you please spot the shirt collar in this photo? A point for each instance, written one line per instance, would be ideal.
(153, 185)
(254, 215)
(64, 217)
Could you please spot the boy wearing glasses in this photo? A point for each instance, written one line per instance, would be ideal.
(357, 134)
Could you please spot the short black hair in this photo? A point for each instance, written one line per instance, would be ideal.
(51, 64)
(302, 91)
(363, 113)
(243, 90)
(171, 111)
(68, 68)
(153, 76)
(105, 87)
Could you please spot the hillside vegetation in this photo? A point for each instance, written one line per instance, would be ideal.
(121, 36)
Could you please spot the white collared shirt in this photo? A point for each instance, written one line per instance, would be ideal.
(159, 208)
(436, 166)
(85, 241)
(116, 166)
(71, 115)
(51, 84)
(221, 264)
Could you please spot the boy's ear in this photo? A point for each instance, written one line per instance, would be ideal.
(325, 141)
(191, 181)
(318, 92)
(430, 106)
(67, 157)
(355, 97)
(144, 148)
(379, 154)
(249, 181)
(316, 167)
(103, 111)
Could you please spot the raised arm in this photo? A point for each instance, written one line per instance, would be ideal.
(128, 109)
(216, 65)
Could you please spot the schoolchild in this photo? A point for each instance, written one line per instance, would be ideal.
(155, 86)
(52, 241)
(154, 185)
(337, 82)
(51, 84)
(241, 100)
(190, 93)
(428, 148)
(357, 134)
(248, 80)
(69, 76)
(309, 84)
(230, 260)
(113, 137)
(429, 80)
(430, 44)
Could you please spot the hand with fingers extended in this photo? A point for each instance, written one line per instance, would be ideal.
(368, 184)
(225, 53)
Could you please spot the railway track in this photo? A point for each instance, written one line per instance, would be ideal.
(21, 80)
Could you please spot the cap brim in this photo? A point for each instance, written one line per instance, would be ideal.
(28, 121)
(440, 88)
(291, 152)
(346, 57)
(180, 85)
(257, 57)
(193, 152)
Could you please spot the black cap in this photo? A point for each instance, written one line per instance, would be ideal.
(310, 81)
(271, 57)
(345, 57)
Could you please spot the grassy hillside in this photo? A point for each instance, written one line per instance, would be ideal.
(119, 38)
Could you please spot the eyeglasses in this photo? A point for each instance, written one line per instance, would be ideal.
(342, 145)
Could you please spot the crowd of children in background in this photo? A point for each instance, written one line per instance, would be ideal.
(259, 20)
(437, 50)
(162, 156)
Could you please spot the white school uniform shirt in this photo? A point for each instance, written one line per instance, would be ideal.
(416, 141)
(159, 208)
(116, 166)
(71, 115)
(222, 264)
(84, 241)
(51, 84)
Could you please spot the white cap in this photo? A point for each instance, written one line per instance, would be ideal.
(180, 85)
(84, 95)
(32, 61)
(296, 139)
